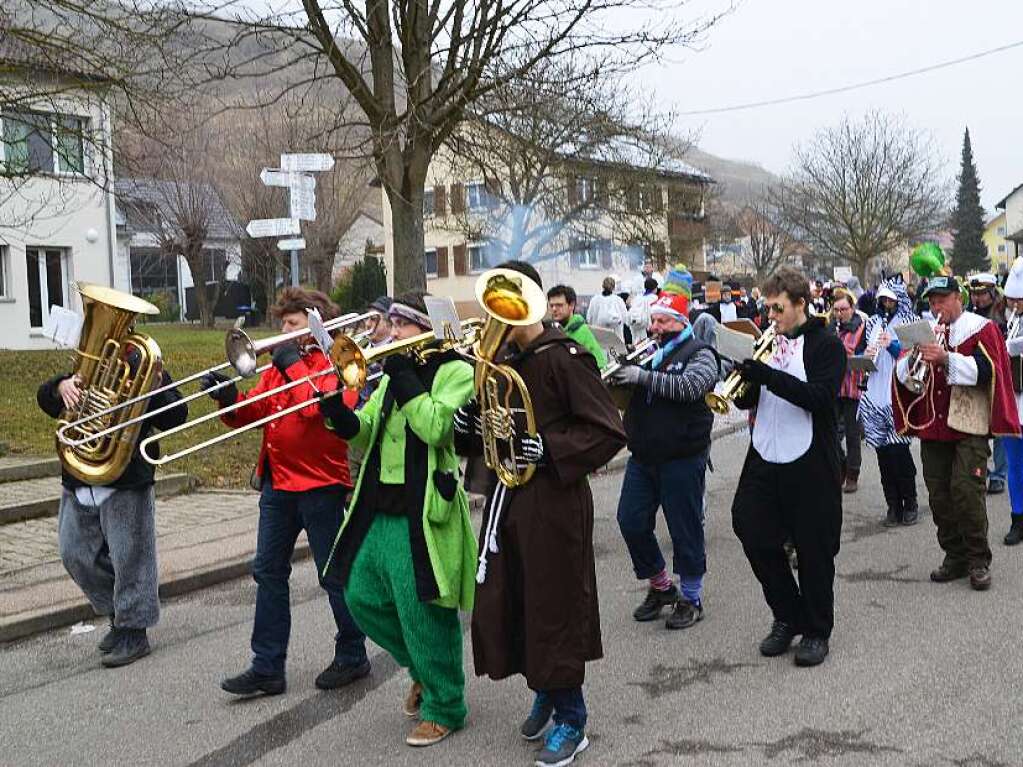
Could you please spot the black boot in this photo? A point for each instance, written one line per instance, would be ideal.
(891, 496)
(250, 683)
(110, 639)
(132, 644)
(1015, 534)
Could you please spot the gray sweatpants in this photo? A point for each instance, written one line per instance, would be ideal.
(110, 552)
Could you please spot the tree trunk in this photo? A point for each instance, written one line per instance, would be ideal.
(193, 257)
(407, 242)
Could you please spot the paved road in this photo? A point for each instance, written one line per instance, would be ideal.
(920, 674)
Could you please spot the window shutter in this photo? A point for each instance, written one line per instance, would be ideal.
(573, 192)
(459, 254)
(604, 249)
(657, 205)
(442, 262)
(573, 253)
(632, 198)
(659, 258)
(601, 193)
(493, 187)
(457, 198)
(440, 201)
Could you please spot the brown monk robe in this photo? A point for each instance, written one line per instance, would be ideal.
(536, 610)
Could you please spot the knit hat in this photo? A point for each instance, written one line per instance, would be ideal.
(673, 305)
(678, 282)
(1014, 282)
(381, 304)
(410, 307)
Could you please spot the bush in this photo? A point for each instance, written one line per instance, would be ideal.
(359, 285)
(164, 300)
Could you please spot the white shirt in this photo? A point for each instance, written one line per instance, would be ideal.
(607, 312)
(783, 431)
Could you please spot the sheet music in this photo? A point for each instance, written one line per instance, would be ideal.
(913, 333)
(443, 317)
(64, 327)
(318, 332)
(732, 344)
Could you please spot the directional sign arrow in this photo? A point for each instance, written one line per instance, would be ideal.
(296, 244)
(273, 227)
(308, 162)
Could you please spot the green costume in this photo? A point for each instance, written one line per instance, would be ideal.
(406, 550)
(577, 329)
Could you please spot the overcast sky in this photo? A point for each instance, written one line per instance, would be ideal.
(775, 48)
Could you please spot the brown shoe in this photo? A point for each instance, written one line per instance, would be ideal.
(851, 482)
(945, 573)
(412, 700)
(980, 578)
(427, 733)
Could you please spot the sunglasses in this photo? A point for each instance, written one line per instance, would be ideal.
(776, 308)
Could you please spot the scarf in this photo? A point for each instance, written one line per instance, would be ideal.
(672, 344)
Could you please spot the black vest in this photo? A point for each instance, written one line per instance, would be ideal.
(660, 430)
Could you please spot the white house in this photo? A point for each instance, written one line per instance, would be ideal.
(1012, 204)
(365, 235)
(56, 204)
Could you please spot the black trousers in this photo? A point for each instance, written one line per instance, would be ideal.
(898, 476)
(802, 502)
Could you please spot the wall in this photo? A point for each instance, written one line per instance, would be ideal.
(1014, 219)
(998, 249)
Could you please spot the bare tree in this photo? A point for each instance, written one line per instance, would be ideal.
(863, 188)
(770, 243)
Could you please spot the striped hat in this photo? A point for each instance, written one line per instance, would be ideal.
(678, 281)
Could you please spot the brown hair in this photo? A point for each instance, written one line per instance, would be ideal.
(843, 295)
(789, 281)
(293, 300)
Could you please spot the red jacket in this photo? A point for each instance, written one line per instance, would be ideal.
(302, 453)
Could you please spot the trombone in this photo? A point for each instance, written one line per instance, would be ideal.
(349, 361)
(241, 351)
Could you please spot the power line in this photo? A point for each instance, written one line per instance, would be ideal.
(854, 86)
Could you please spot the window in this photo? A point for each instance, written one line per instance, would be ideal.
(431, 262)
(648, 197)
(587, 255)
(1001, 231)
(428, 203)
(34, 142)
(47, 283)
(4, 271)
(152, 270)
(1001, 248)
(214, 264)
(479, 258)
(477, 197)
(585, 189)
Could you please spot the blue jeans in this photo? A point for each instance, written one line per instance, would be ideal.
(676, 487)
(998, 458)
(1013, 448)
(282, 516)
(568, 705)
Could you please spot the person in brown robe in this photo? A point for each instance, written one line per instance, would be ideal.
(536, 610)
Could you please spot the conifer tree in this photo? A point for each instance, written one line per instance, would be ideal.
(969, 254)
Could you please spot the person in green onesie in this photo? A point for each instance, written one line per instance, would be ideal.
(406, 550)
(561, 301)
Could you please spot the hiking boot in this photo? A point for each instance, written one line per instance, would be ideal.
(413, 700)
(947, 573)
(653, 604)
(427, 733)
(684, 615)
(250, 683)
(811, 651)
(778, 641)
(131, 645)
(338, 675)
(1015, 534)
(109, 640)
(561, 746)
(995, 486)
(852, 479)
(910, 512)
(980, 578)
(537, 720)
(891, 518)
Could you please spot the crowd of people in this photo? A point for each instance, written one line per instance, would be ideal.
(375, 476)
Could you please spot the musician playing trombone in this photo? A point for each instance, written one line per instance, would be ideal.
(406, 549)
(668, 424)
(303, 479)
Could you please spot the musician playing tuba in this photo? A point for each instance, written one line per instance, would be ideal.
(406, 549)
(106, 529)
(536, 608)
(303, 480)
(1013, 446)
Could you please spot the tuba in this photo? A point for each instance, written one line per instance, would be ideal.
(509, 298)
(107, 380)
(734, 386)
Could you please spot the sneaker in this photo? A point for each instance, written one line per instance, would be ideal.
(1015, 534)
(250, 683)
(653, 604)
(109, 640)
(427, 733)
(338, 675)
(778, 641)
(131, 645)
(536, 722)
(980, 578)
(811, 651)
(684, 615)
(910, 513)
(413, 700)
(947, 573)
(561, 746)
(891, 518)
(995, 486)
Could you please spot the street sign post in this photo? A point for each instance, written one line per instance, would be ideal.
(273, 227)
(298, 244)
(306, 162)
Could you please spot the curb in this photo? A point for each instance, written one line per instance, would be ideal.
(166, 486)
(618, 462)
(44, 467)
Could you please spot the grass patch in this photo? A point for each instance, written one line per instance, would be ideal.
(27, 430)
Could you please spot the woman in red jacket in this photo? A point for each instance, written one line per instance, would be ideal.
(304, 480)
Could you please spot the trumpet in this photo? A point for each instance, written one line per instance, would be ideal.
(734, 385)
(643, 353)
(349, 362)
(916, 379)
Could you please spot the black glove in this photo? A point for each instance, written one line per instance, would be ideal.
(225, 395)
(467, 418)
(405, 384)
(333, 408)
(285, 356)
(755, 371)
(397, 364)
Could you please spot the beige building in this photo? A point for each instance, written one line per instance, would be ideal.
(670, 200)
(998, 248)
